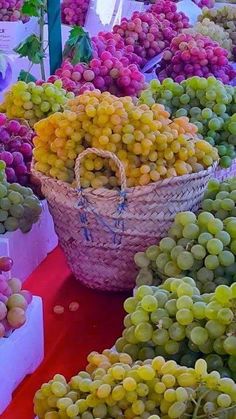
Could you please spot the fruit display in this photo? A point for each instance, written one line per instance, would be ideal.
(208, 103)
(74, 12)
(224, 17)
(175, 321)
(33, 102)
(10, 11)
(208, 28)
(115, 387)
(19, 207)
(13, 300)
(16, 149)
(150, 145)
(195, 55)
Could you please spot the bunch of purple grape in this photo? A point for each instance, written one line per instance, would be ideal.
(13, 300)
(16, 149)
(10, 10)
(195, 55)
(74, 12)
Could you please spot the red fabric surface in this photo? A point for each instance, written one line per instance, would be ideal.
(68, 337)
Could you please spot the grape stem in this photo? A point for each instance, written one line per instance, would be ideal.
(195, 416)
(217, 412)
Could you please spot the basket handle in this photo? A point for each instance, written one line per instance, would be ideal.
(105, 154)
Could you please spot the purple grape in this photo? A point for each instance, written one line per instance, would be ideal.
(13, 127)
(17, 158)
(5, 264)
(11, 175)
(7, 157)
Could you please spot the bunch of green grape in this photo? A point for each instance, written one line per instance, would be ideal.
(19, 207)
(34, 102)
(220, 199)
(202, 247)
(175, 321)
(208, 103)
(224, 17)
(116, 387)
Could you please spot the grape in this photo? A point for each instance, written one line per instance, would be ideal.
(11, 11)
(143, 165)
(225, 18)
(74, 12)
(204, 58)
(25, 94)
(133, 391)
(199, 92)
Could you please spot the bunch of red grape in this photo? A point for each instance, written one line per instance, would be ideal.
(106, 73)
(195, 55)
(10, 10)
(13, 300)
(167, 10)
(74, 12)
(16, 149)
(147, 34)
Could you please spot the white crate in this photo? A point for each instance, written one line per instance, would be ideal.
(30, 249)
(12, 33)
(21, 353)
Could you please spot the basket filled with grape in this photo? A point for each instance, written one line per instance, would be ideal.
(115, 174)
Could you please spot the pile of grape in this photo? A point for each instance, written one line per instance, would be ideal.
(13, 300)
(116, 388)
(32, 102)
(167, 10)
(224, 17)
(147, 34)
(16, 149)
(10, 10)
(149, 144)
(195, 55)
(107, 73)
(208, 103)
(74, 12)
(208, 28)
(202, 247)
(19, 207)
(220, 199)
(175, 321)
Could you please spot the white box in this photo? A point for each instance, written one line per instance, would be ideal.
(28, 250)
(21, 353)
(12, 33)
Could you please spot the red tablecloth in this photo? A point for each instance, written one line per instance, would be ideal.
(68, 337)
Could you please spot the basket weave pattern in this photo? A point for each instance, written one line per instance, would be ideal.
(223, 174)
(101, 230)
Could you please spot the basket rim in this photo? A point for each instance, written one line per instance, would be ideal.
(136, 190)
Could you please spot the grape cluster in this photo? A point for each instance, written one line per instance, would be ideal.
(224, 17)
(10, 10)
(208, 103)
(200, 246)
(195, 55)
(116, 387)
(220, 198)
(214, 31)
(167, 10)
(74, 12)
(33, 102)
(19, 207)
(16, 149)
(147, 34)
(175, 321)
(148, 143)
(13, 300)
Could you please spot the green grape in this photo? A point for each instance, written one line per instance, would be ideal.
(214, 329)
(230, 345)
(199, 335)
(167, 244)
(226, 258)
(198, 251)
(185, 260)
(215, 246)
(149, 303)
(184, 316)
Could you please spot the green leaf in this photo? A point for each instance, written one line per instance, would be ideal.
(31, 48)
(32, 7)
(25, 76)
(78, 47)
(3, 65)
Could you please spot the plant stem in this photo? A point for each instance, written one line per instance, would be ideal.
(41, 37)
(195, 416)
(28, 72)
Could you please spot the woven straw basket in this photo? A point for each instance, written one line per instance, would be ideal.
(101, 230)
(223, 174)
